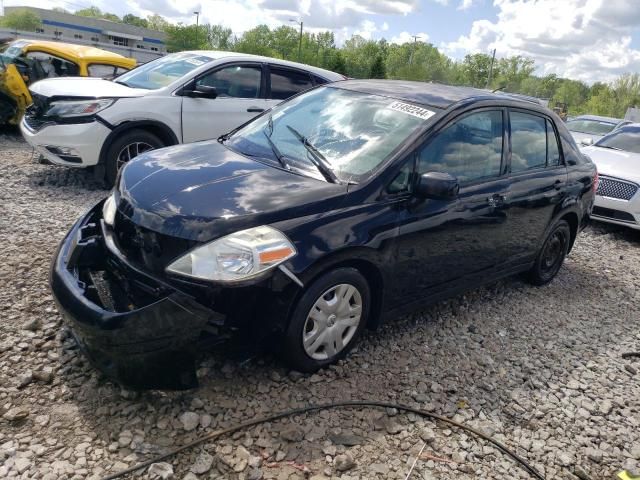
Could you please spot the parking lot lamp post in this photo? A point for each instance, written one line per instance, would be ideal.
(197, 14)
(300, 40)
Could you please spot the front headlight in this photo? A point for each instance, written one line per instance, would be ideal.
(78, 108)
(109, 210)
(236, 257)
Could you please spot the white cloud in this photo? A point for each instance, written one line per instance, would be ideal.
(465, 4)
(583, 39)
(406, 37)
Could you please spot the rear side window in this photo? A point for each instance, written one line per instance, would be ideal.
(553, 151)
(286, 83)
(320, 80)
(528, 142)
(101, 71)
(469, 149)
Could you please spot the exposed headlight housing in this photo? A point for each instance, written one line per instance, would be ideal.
(240, 256)
(109, 210)
(78, 108)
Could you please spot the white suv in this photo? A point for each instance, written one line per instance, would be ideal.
(182, 97)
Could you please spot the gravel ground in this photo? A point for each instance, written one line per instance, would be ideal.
(538, 368)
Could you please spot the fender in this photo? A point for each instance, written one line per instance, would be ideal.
(167, 132)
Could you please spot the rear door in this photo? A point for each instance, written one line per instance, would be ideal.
(241, 96)
(538, 179)
(440, 242)
(285, 82)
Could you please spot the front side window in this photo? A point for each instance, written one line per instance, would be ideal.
(163, 71)
(286, 83)
(353, 132)
(528, 141)
(54, 66)
(470, 149)
(236, 81)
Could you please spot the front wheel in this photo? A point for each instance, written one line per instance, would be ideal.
(551, 255)
(126, 147)
(327, 320)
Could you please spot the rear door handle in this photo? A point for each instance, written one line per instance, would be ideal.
(255, 109)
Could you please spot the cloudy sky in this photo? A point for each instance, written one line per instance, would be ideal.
(584, 39)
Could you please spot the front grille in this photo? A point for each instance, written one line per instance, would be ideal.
(34, 123)
(613, 188)
(149, 250)
(613, 214)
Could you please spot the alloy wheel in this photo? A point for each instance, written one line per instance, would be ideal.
(332, 321)
(130, 151)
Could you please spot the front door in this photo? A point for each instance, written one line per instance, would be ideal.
(240, 98)
(440, 242)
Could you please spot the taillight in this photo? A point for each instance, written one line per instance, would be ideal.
(596, 179)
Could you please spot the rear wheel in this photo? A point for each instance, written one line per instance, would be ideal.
(327, 320)
(126, 147)
(551, 255)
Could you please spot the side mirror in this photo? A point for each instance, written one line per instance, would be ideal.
(200, 91)
(437, 185)
(587, 141)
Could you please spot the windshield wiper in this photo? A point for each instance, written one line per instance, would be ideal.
(317, 158)
(276, 151)
(608, 146)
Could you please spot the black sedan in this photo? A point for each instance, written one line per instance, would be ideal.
(342, 207)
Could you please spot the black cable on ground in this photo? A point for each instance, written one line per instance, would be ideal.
(316, 408)
(631, 355)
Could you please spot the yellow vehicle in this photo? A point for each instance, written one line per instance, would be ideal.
(23, 62)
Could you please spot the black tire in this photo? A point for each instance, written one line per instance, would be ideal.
(552, 254)
(128, 138)
(294, 351)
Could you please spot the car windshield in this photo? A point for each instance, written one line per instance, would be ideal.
(624, 138)
(162, 71)
(9, 52)
(348, 133)
(592, 127)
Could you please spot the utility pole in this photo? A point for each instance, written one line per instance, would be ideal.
(300, 40)
(415, 40)
(493, 59)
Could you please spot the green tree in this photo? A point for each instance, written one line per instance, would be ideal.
(476, 69)
(157, 22)
(378, 70)
(257, 41)
(134, 20)
(219, 37)
(284, 41)
(21, 19)
(95, 12)
(186, 37)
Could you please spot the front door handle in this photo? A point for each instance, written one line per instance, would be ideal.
(255, 109)
(557, 184)
(496, 200)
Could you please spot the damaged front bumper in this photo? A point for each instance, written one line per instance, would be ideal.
(138, 330)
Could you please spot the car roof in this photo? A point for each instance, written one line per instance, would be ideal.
(220, 54)
(598, 118)
(80, 51)
(430, 94)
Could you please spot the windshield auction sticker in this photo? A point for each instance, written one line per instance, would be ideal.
(413, 110)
